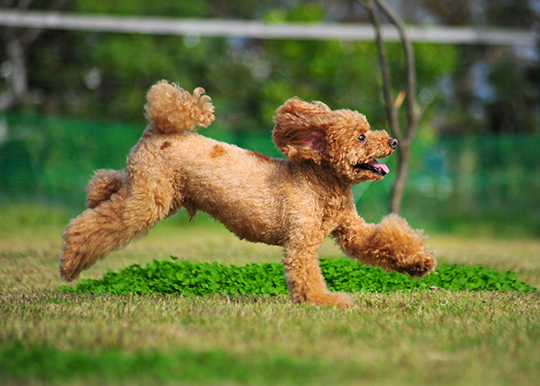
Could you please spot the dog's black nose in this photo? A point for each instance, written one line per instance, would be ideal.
(393, 143)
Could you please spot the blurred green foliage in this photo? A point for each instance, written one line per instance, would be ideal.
(473, 185)
(91, 74)
(458, 183)
(461, 89)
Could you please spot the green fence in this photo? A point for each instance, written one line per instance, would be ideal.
(480, 185)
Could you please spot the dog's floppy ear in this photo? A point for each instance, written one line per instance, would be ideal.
(300, 130)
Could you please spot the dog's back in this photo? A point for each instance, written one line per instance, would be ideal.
(248, 192)
(238, 187)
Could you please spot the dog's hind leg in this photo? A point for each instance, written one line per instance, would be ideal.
(127, 214)
(103, 185)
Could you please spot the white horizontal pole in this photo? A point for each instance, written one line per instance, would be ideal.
(260, 30)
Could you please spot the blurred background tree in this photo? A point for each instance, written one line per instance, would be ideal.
(90, 74)
(480, 101)
(463, 90)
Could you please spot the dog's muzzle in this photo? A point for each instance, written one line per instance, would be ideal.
(375, 167)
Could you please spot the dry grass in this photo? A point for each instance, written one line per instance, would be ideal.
(437, 338)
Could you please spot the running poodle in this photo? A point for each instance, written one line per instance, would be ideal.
(294, 203)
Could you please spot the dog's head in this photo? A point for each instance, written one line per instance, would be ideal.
(340, 140)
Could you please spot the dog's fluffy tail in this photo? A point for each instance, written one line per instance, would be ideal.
(171, 109)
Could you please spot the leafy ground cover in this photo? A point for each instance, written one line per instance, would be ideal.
(440, 337)
(343, 274)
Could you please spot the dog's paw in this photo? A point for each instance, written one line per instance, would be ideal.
(419, 266)
(338, 299)
(400, 248)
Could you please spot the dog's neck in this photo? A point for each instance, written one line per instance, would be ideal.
(324, 177)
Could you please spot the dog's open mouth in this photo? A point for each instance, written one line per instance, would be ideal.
(374, 167)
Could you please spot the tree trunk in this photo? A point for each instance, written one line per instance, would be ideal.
(18, 61)
(18, 92)
(396, 195)
(405, 138)
(16, 41)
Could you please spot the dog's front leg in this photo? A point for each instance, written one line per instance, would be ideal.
(392, 245)
(304, 279)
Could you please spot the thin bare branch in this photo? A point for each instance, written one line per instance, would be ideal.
(412, 113)
(400, 98)
(408, 95)
(391, 112)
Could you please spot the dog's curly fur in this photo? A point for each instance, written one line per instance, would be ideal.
(294, 202)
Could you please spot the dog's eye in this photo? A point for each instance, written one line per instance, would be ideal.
(362, 138)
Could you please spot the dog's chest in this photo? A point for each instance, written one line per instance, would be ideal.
(335, 206)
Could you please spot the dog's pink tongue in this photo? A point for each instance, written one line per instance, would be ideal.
(377, 165)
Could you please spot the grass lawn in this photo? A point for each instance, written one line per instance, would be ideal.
(436, 338)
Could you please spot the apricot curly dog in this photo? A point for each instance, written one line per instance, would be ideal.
(294, 203)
